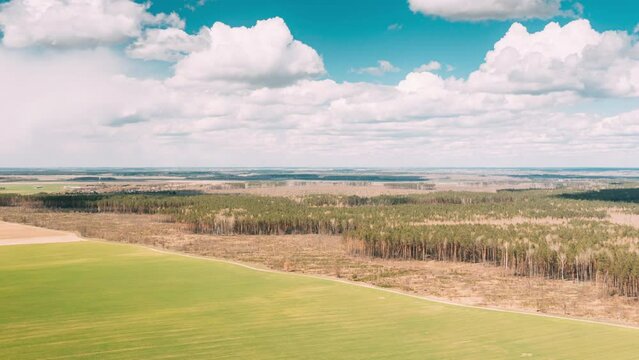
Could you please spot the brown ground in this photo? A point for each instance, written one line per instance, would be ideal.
(17, 234)
(617, 216)
(474, 284)
(498, 222)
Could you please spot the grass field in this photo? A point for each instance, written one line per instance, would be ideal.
(30, 189)
(112, 301)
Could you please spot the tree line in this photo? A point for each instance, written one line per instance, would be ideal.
(389, 227)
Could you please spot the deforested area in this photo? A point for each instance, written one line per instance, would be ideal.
(535, 233)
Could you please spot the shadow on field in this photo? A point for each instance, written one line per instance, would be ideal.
(614, 195)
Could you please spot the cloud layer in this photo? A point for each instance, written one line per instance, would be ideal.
(257, 96)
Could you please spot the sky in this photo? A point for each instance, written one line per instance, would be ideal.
(379, 83)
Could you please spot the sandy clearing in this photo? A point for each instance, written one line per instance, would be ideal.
(617, 216)
(18, 234)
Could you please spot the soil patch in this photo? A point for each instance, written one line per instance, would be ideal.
(18, 234)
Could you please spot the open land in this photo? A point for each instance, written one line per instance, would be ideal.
(103, 300)
(564, 246)
(472, 284)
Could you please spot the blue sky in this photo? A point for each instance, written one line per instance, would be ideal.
(319, 83)
(354, 33)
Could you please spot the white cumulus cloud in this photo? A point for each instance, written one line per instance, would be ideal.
(170, 44)
(68, 23)
(574, 57)
(265, 54)
(477, 10)
(430, 66)
(383, 67)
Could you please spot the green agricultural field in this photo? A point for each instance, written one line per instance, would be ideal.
(31, 188)
(112, 301)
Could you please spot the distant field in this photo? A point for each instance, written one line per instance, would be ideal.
(29, 189)
(112, 301)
